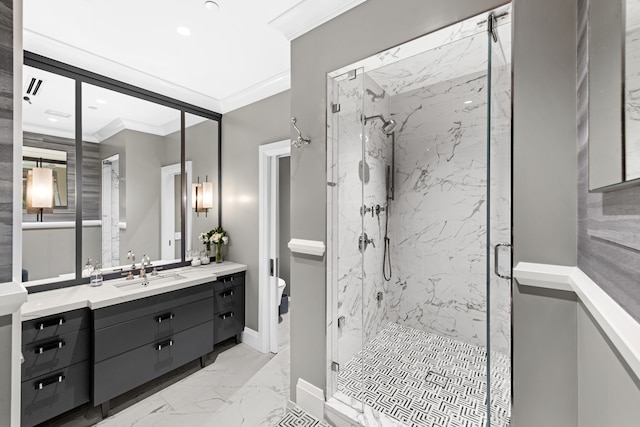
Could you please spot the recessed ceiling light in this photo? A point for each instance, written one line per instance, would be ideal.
(101, 101)
(184, 31)
(211, 5)
(51, 119)
(92, 107)
(468, 102)
(58, 113)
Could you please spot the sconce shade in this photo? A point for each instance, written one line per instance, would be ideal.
(207, 195)
(202, 196)
(40, 188)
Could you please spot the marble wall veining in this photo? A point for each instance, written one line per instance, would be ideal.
(439, 214)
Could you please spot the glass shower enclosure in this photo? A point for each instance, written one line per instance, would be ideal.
(419, 229)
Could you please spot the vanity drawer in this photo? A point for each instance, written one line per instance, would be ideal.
(228, 299)
(61, 391)
(228, 323)
(229, 281)
(46, 356)
(52, 326)
(122, 337)
(120, 313)
(114, 376)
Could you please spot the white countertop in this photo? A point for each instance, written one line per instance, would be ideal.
(60, 300)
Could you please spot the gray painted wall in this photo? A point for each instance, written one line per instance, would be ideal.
(358, 34)
(285, 220)
(243, 131)
(544, 358)
(544, 131)
(608, 391)
(614, 267)
(6, 140)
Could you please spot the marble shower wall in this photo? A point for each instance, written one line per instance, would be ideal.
(438, 217)
(356, 298)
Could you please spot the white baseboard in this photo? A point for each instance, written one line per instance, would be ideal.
(310, 398)
(252, 339)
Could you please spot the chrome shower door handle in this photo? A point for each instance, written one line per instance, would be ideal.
(496, 260)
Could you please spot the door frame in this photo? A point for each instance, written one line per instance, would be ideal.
(269, 154)
(168, 205)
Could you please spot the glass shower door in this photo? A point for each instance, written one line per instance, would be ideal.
(348, 172)
(499, 224)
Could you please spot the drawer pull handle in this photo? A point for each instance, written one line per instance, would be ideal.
(165, 344)
(164, 317)
(51, 346)
(58, 378)
(226, 315)
(226, 294)
(49, 323)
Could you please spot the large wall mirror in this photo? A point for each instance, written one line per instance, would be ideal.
(138, 159)
(614, 93)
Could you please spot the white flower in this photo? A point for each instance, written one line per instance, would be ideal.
(225, 240)
(203, 237)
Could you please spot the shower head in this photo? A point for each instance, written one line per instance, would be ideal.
(388, 126)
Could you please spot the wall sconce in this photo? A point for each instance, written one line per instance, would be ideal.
(202, 196)
(39, 191)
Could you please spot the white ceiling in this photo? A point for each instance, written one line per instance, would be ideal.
(104, 112)
(233, 57)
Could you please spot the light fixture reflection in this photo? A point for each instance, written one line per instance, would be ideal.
(39, 191)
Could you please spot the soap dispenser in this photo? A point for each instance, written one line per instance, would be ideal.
(96, 276)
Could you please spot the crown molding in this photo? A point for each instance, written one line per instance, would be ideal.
(307, 15)
(266, 88)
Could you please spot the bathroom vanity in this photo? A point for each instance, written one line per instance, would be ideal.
(90, 344)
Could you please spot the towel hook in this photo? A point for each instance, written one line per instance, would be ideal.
(300, 140)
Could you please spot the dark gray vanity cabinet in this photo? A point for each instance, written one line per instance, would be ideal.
(140, 340)
(228, 308)
(55, 372)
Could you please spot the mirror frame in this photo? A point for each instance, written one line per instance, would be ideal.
(81, 76)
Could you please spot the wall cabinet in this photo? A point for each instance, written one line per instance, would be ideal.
(83, 355)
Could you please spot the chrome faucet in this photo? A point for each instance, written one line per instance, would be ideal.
(143, 269)
(132, 256)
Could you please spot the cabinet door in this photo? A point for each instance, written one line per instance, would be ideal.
(50, 395)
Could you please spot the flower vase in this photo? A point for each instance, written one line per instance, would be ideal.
(219, 257)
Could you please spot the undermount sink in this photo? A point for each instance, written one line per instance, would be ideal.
(137, 283)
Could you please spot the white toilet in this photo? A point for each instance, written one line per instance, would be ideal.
(281, 285)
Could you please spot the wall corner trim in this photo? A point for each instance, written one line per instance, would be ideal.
(622, 329)
(308, 247)
(252, 339)
(310, 398)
